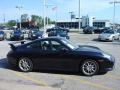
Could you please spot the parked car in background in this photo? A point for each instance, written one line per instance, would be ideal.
(88, 30)
(100, 30)
(58, 31)
(2, 35)
(56, 53)
(35, 34)
(17, 35)
(118, 31)
(92, 30)
(109, 35)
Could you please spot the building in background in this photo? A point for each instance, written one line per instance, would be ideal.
(85, 21)
(74, 24)
(68, 24)
(101, 23)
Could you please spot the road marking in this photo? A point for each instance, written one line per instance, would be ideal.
(89, 83)
(31, 79)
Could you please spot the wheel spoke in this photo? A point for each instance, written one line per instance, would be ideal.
(25, 64)
(89, 67)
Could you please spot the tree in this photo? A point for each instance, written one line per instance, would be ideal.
(37, 19)
(24, 18)
(11, 23)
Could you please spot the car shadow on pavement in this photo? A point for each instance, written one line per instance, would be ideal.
(5, 64)
(59, 72)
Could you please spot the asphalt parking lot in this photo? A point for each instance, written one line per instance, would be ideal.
(54, 80)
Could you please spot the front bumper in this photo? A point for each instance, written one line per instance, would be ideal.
(108, 65)
(105, 38)
(1, 38)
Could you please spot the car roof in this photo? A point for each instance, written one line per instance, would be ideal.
(48, 38)
(51, 38)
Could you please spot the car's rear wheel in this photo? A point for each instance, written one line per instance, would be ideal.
(89, 67)
(25, 64)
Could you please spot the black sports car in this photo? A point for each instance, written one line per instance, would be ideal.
(17, 35)
(60, 54)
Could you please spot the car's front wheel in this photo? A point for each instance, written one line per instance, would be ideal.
(89, 67)
(25, 65)
(113, 38)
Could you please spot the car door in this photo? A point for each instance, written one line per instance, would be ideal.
(60, 56)
(40, 53)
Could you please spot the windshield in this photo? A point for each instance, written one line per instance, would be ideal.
(1, 32)
(17, 32)
(118, 30)
(69, 44)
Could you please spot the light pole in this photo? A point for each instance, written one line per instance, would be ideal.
(47, 6)
(71, 13)
(44, 13)
(19, 8)
(114, 4)
(79, 17)
(4, 18)
(54, 8)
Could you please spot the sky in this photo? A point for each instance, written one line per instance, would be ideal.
(99, 9)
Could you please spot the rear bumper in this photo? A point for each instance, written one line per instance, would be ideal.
(16, 38)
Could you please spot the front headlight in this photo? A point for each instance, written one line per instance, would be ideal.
(11, 35)
(34, 35)
(39, 37)
(106, 55)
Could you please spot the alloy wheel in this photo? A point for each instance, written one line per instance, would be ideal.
(90, 67)
(25, 65)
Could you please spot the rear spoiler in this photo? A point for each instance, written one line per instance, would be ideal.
(12, 45)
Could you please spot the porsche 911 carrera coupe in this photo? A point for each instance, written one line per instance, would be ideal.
(56, 53)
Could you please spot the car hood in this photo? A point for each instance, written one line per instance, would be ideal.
(105, 34)
(88, 48)
(16, 34)
(1, 34)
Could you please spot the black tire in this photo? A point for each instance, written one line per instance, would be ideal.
(89, 67)
(25, 64)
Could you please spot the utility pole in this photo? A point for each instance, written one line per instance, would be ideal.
(19, 8)
(4, 18)
(44, 13)
(114, 4)
(71, 13)
(79, 17)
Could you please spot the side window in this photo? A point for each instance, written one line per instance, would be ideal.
(56, 46)
(45, 45)
(35, 45)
